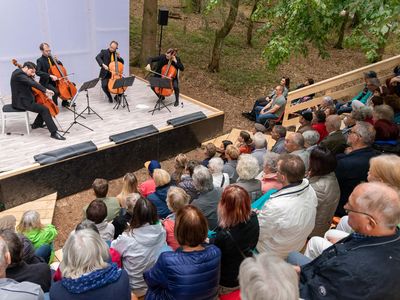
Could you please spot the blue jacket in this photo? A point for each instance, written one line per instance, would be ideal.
(185, 275)
(159, 198)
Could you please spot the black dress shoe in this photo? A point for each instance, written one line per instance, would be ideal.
(65, 103)
(57, 136)
(176, 103)
(110, 100)
(35, 126)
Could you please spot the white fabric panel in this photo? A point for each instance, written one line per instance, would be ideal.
(75, 29)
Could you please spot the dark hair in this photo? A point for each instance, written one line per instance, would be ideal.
(246, 137)
(292, 167)
(322, 161)
(100, 187)
(14, 244)
(87, 224)
(226, 143)
(310, 81)
(30, 65)
(321, 116)
(114, 42)
(377, 100)
(144, 212)
(191, 165)
(287, 81)
(393, 101)
(190, 226)
(96, 211)
(279, 129)
(41, 46)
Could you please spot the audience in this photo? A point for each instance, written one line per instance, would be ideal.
(335, 140)
(209, 151)
(159, 197)
(260, 148)
(278, 133)
(180, 165)
(97, 213)
(191, 272)
(247, 169)
(187, 181)
(129, 186)
(121, 222)
(311, 138)
(273, 110)
(216, 165)
(269, 176)
(222, 149)
(294, 144)
(318, 124)
(305, 121)
(386, 129)
(244, 142)
(385, 168)
(232, 154)
(148, 187)
(141, 244)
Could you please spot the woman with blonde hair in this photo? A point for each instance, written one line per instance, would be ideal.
(129, 186)
(385, 168)
(180, 165)
(41, 236)
(159, 197)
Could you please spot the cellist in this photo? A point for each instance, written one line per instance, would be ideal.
(23, 99)
(104, 58)
(47, 80)
(164, 59)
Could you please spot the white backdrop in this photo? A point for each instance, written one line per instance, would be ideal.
(75, 29)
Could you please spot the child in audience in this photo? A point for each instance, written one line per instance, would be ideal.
(42, 237)
(180, 165)
(129, 186)
(244, 142)
(209, 151)
(97, 212)
(122, 222)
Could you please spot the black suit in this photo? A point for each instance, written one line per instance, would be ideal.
(162, 61)
(42, 70)
(104, 57)
(23, 99)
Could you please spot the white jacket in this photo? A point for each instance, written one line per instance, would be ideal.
(139, 249)
(287, 219)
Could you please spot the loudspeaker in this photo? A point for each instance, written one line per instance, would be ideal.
(163, 16)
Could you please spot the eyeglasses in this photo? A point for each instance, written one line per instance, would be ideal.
(347, 210)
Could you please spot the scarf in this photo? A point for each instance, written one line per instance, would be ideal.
(93, 280)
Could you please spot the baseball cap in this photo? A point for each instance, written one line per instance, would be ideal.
(151, 165)
(370, 74)
(307, 115)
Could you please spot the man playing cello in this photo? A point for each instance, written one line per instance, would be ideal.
(164, 59)
(23, 99)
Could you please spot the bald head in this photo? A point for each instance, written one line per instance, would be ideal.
(333, 123)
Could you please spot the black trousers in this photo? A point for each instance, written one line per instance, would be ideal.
(43, 116)
(175, 85)
(52, 87)
(104, 86)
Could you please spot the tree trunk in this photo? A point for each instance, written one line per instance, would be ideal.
(250, 25)
(220, 35)
(149, 31)
(381, 50)
(339, 43)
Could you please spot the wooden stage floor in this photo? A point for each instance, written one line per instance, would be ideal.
(17, 150)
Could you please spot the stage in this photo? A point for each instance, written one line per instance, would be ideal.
(22, 179)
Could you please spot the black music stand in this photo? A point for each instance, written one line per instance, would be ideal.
(160, 83)
(124, 82)
(85, 86)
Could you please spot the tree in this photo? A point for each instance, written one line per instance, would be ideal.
(249, 35)
(149, 31)
(221, 34)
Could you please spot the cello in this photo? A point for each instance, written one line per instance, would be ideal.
(41, 97)
(66, 88)
(116, 68)
(167, 71)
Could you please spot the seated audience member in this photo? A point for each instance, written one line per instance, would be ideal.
(260, 148)
(97, 213)
(187, 181)
(311, 138)
(19, 270)
(258, 128)
(159, 197)
(327, 106)
(323, 180)
(318, 124)
(393, 83)
(288, 217)
(121, 222)
(349, 123)
(86, 273)
(386, 129)
(363, 113)
(42, 237)
(176, 199)
(247, 169)
(232, 154)
(222, 149)
(376, 100)
(352, 168)
(267, 277)
(148, 187)
(244, 142)
(209, 196)
(308, 82)
(394, 102)
(191, 272)
(180, 165)
(236, 236)
(216, 165)
(129, 186)
(350, 268)
(278, 133)
(294, 144)
(305, 121)
(273, 110)
(11, 289)
(373, 84)
(100, 188)
(335, 140)
(141, 244)
(209, 151)
(269, 177)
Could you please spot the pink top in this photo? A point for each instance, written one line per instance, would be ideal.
(148, 187)
(269, 181)
(169, 225)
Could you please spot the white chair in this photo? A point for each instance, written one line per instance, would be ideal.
(10, 113)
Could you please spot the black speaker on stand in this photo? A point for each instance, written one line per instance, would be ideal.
(162, 21)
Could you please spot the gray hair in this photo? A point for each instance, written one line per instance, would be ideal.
(383, 111)
(271, 161)
(327, 100)
(366, 132)
(361, 113)
(311, 137)
(297, 138)
(247, 167)
(202, 179)
(333, 122)
(3, 253)
(215, 165)
(374, 81)
(83, 252)
(259, 140)
(265, 277)
(279, 129)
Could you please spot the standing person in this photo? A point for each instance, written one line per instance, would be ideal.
(47, 80)
(22, 98)
(104, 58)
(164, 59)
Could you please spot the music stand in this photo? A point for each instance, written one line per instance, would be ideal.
(160, 83)
(85, 86)
(124, 82)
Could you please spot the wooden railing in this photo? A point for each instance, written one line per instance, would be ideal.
(344, 86)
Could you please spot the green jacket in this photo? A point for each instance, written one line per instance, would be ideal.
(40, 237)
